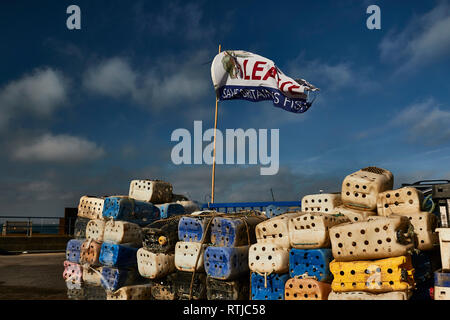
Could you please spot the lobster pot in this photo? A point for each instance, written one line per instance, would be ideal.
(136, 292)
(91, 207)
(170, 209)
(76, 294)
(353, 215)
(424, 228)
(118, 255)
(225, 263)
(361, 295)
(130, 210)
(313, 262)
(123, 232)
(400, 201)
(360, 189)
(187, 254)
(376, 238)
(161, 236)
(444, 240)
(90, 252)
(164, 289)
(94, 292)
(310, 230)
(306, 289)
(233, 231)
(154, 191)
(182, 283)
(268, 258)
(154, 265)
(92, 276)
(441, 285)
(73, 274)
(238, 289)
(441, 191)
(95, 230)
(193, 229)
(114, 278)
(189, 206)
(270, 287)
(80, 228)
(385, 275)
(274, 211)
(73, 250)
(275, 230)
(323, 202)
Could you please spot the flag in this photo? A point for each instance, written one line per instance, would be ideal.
(238, 74)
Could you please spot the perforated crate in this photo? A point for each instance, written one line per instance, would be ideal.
(76, 294)
(80, 228)
(311, 230)
(131, 210)
(226, 263)
(275, 230)
(91, 207)
(269, 288)
(354, 215)
(194, 229)
(274, 211)
(385, 275)
(155, 191)
(360, 189)
(170, 209)
(234, 231)
(122, 232)
(164, 289)
(189, 256)
(441, 285)
(400, 201)
(92, 276)
(444, 240)
(182, 283)
(424, 224)
(117, 255)
(73, 274)
(114, 278)
(268, 258)
(161, 236)
(155, 265)
(441, 191)
(90, 252)
(73, 250)
(95, 230)
(313, 262)
(361, 295)
(135, 292)
(376, 238)
(322, 202)
(306, 289)
(238, 289)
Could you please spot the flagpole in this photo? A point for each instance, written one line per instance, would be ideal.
(214, 152)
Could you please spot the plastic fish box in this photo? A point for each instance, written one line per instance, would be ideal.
(238, 289)
(118, 255)
(424, 224)
(193, 229)
(275, 230)
(189, 256)
(73, 272)
(161, 236)
(314, 262)
(271, 288)
(90, 252)
(361, 295)
(155, 191)
(128, 209)
(444, 239)
(114, 278)
(441, 191)
(441, 285)
(73, 250)
(360, 189)
(400, 201)
(92, 276)
(268, 258)
(354, 215)
(91, 207)
(80, 228)
(135, 292)
(95, 230)
(170, 209)
(164, 289)
(234, 231)
(122, 232)
(155, 265)
(226, 263)
(306, 289)
(76, 294)
(323, 202)
(182, 283)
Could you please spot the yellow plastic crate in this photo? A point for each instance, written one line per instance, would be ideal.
(385, 275)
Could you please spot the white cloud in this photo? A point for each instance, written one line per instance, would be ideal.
(425, 39)
(58, 148)
(39, 93)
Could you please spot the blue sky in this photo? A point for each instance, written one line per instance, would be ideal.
(86, 111)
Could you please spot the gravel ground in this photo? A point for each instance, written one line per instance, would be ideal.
(32, 277)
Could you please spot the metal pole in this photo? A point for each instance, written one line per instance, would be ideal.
(214, 152)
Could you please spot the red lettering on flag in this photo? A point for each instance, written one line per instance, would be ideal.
(271, 73)
(256, 69)
(246, 77)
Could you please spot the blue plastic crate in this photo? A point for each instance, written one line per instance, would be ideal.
(441, 279)
(170, 209)
(274, 289)
(73, 250)
(193, 229)
(273, 211)
(127, 209)
(232, 232)
(114, 278)
(226, 263)
(315, 262)
(118, 255)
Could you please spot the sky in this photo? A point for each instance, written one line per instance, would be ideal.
(87, 111)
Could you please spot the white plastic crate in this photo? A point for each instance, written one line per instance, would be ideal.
(95, 230)
(268, 258)
(155, 265)
(400, 201)
(186, 254)
(444, 241)
(322, 202)
(424, 227)
(92, 276)
(310, 230)
(122, 232)
(354, 215)
(360, 189)
(91, 207)
(154, 191)
(275, 230)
